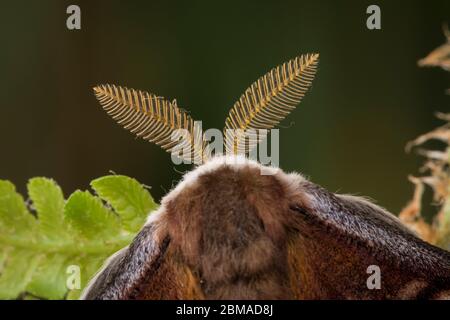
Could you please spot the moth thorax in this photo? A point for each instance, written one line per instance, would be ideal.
(228, 223)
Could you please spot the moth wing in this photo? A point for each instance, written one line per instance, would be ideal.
(350, 248)
(143, 270)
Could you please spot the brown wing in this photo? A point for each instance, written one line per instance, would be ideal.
(144, 270)
(345, 242)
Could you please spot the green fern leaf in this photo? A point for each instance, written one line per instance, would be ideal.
(48, 201)
(38, 251)
(90, 217)
(127, 197)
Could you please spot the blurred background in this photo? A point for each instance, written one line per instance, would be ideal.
(368, 100)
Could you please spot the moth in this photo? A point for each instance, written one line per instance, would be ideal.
(226, 231)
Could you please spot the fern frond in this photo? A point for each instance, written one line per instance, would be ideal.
(268, 101)
(152, 118)
(37, 251)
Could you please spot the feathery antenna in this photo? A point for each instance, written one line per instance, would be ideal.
(268, 101)
(152, 118)
(263, 106)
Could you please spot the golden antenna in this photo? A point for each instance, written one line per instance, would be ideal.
(268, 101)
(154, 119)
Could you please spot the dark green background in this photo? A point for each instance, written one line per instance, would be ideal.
(368, 100)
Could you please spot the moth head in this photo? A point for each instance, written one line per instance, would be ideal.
(225, 218)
